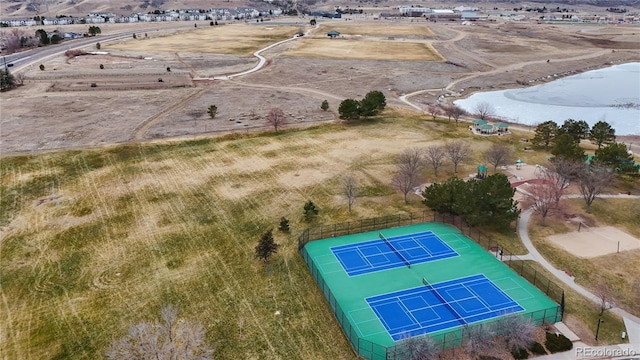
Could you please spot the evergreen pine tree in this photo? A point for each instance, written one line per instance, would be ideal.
(266, 246)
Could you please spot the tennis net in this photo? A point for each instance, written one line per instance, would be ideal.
(404, 260)
(444, 302)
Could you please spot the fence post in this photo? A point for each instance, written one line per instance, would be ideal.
(548, 285)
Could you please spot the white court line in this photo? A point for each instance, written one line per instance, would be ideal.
(518, 286)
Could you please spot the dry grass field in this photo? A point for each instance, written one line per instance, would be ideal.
(237, 39)
(382, 30)
(96, 240)
(356, 49)
(472, 58)
(142, 206)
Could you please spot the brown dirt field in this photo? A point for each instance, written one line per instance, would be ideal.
(594, 242)
(129, 102)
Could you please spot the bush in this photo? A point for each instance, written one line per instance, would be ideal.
(537, 349)
(41, 67)
(557, 343)
(520, 354)
(310, 211)
(101, 66)
(284, 225)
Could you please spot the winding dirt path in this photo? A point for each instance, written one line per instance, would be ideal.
(497, 70)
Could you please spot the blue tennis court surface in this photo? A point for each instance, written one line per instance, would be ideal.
(421, 310)
(369, 256)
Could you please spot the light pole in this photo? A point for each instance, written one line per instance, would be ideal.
(600, 321)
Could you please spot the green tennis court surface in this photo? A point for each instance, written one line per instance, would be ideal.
(420, 279)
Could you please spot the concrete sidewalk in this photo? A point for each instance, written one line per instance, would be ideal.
(581, 350)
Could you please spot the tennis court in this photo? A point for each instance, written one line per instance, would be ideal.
(426, 278)
(388, 253)
(430, 308)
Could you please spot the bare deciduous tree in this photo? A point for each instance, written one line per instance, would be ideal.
(409, 165)
(435, 155)
(566, 169)
(168, 339)
(541, 199)
(592, 180)
(276, 118)
(456, 112)
(434, 110)
(350, 188)
(480, 339)
(20, 77)
(419, 348)
(457, 151)
(498, 155)
(604, 294)
(447, 110)
(517, 331)
(484, 110)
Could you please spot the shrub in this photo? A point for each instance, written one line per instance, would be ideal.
(310, 211)
(520, 354)
(537, 349)
(41, 67)
(168, 69)
(557, 343)
(284, 225)
(101, 66)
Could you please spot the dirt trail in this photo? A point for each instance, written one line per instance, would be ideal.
(141, 130)
(518, 66)
(192, 72)
(498, 70)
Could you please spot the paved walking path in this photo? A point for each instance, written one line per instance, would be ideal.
(581, 350)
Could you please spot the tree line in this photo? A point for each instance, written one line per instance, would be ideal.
(564, 142)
